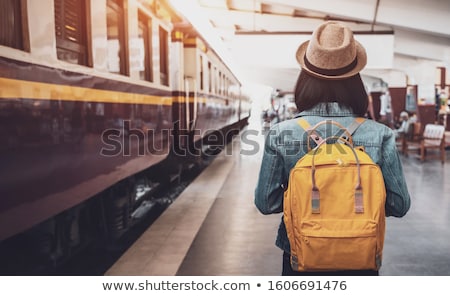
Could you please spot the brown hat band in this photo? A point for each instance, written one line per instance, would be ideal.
(331, 72)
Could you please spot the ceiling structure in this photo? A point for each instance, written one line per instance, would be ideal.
(260, 37)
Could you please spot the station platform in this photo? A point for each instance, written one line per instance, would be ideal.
(213, 227)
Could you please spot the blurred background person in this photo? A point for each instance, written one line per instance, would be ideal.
(386, 109)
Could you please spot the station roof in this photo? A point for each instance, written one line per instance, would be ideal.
(261, 36)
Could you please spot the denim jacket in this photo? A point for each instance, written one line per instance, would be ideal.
(286, 143)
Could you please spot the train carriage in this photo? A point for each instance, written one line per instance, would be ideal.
(207, 94)
(93, 93)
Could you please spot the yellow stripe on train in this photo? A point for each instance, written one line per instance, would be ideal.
(12, 88)
(200, 99)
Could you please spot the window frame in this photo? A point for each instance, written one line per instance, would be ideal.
(83, 48)
(120, 7)
(20, 28)
(164, 56)
(146, 21)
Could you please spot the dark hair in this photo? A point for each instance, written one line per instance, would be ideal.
(350, 92)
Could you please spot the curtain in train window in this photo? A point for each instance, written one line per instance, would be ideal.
(164, 56)
(116, 37)
(71, 31)
(11, 24)
(144, 45)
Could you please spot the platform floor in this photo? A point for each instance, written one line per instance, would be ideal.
(213, 227)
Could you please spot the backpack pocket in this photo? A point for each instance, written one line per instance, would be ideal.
(338, 245)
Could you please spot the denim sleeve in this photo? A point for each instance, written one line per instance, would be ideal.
(269, 191)
(397, 196)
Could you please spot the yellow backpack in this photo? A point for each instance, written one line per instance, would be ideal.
(334, 205)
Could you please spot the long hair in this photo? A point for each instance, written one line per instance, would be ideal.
(349, 92)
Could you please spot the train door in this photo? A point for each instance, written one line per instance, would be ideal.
(191, 103)
(179, 109)
(185, 117)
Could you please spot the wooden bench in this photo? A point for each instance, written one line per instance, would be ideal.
(433, 137)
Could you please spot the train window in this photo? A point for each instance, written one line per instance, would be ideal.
(219, 83)
(213, 79)
(71, 31)
(117, 50)
(209, 78)
(218, 75)
(201, 72)
(12, 24)
(146, 66)
(222, 83)
(164, 56)
(227, 83)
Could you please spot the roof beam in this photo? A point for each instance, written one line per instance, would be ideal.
(250, 21)
(430, 16)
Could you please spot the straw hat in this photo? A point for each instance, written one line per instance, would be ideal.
(332, 53)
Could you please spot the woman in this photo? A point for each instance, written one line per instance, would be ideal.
(329, 87)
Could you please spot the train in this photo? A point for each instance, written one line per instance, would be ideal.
(101, 101)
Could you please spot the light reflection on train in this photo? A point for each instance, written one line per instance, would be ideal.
(137, 75)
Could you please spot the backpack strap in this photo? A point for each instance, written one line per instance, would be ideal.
(314, 135)
(351, 128)
(359, 203)
(355, 124)
(317, 138)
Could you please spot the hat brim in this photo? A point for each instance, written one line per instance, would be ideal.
(361, 61)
